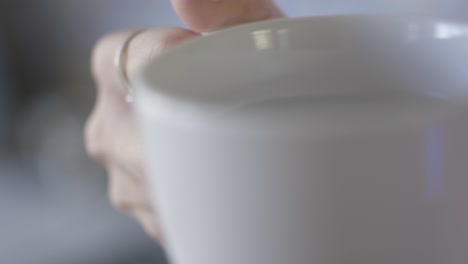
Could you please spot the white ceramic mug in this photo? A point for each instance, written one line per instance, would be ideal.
(321, 140)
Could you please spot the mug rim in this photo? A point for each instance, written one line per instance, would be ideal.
(150, 89)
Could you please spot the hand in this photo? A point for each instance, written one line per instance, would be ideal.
(111, 133)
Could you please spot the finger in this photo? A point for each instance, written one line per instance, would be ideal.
(112, 133)
(110, 89)
(152, 43)
(211, 15)
(110, 109)
(141, 50)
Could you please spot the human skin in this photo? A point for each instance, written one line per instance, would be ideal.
(111, 133)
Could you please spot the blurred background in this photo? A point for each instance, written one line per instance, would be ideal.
(53, 204)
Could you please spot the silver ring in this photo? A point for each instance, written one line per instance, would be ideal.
(120, 60)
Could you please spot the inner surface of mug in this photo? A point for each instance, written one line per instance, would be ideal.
(319, 56)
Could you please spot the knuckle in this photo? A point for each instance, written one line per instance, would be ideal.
(151, 41)
(100, 55)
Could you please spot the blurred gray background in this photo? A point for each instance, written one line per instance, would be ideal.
(53, 205)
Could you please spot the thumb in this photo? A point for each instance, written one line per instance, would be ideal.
(211, 15)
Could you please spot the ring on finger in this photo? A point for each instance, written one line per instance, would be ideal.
(120, 60)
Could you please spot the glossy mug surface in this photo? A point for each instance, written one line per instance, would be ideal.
(321, 140)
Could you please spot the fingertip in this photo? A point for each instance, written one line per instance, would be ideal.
(211, 15)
